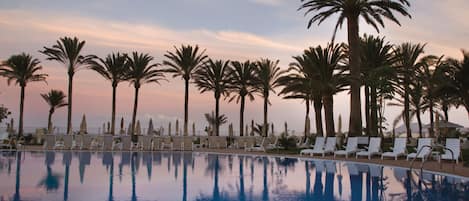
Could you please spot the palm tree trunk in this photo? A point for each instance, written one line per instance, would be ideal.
(367, 110)
(217, 116)
(419, 121)
(374, 112)
(432, 118)
(113, 117)
(329, 114)
(380, 113)
(134, 115)
(318, 116)
(307, 118)
(49, 122)
(445, 109)
(20, 124)
(407, 105)
(69, 106)
(241, 117)
(186, 105)
(355, 126)
(266, 102)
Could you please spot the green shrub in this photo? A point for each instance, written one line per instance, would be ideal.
(287, 142)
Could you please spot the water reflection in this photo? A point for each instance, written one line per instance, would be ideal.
(191, 176)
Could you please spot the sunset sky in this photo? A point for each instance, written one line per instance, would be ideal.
(227, 29)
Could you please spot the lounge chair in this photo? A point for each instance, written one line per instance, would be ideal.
(145, 142)
(77, 142)
(97, 141)
(258, 147)
(167, 143)
(374, 148)
(49, 142)
(86, 141)
(318, 146)
(351, 148)
(399, 149)
(217, 142)
(329, 147)
(304, 144)
(4, 140)
(108, 142)
(67, 141)
(454, 145)
(423, 144)
(126, 142)
(187, 144)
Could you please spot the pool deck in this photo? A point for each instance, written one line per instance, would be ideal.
(431, 165)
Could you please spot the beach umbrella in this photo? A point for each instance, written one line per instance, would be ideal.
(169, 129)
(339, 125)
(193, 129)
(83, 126)
(150, 127)
(252, 127)
(230, 130)
(177, 127)
(129, 129)
(272, 127)
(286, 129)
(122, 131)
(138, 130)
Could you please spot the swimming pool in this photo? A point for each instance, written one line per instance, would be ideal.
(194, 176)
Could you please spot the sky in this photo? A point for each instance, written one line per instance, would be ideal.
(227, 29)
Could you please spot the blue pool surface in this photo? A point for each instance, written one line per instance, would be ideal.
(194, 176)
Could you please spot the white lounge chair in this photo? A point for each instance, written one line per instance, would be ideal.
(351, 148)
(258, 147)
(423, 144)
(304, 144)
(399, 149)
(330, 147)
(49, 142)
(126, 142)
(4, 140)
(77, 142)
(108, 142)
(374, 148)
(145, 142)
(454, 144)
(86, 141)
(318, 146)
(166, 143)
(273, 145)
(67, 141)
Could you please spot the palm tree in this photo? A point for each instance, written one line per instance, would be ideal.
(373, 12)
(328, 75)
(141, 72)
(184, 62)
(68, 52)
(21, 69)
(214, 76)
(407, 62)
(55, 99)
(113, 68)
(459, 81)
(268, 73)
(299, 84)
(377, 59)
(241, 83)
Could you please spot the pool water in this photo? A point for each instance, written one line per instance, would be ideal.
(193, 176)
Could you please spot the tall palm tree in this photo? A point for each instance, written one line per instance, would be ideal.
(184, 62)
(241, 84)
(68, 52)
(21, 69)
(377, 59)
(459, 81)
(329, 76)
(214, 76)
(55, 99)
(141, 72)
(373, 12)
(299, 84)
(268, 73)
(113, 68)
(407, 62)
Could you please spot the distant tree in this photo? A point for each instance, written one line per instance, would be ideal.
(55, 99)
(115, 69)
(183, 63)
(22, 69)
(4, 113)
(68, 52)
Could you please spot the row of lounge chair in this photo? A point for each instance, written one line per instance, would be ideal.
(324, 146)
